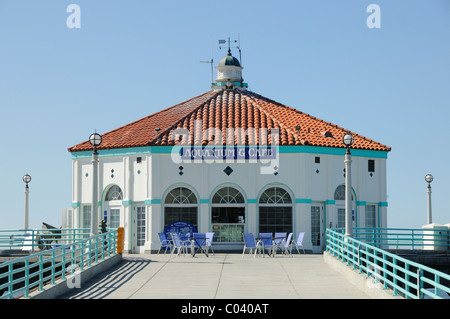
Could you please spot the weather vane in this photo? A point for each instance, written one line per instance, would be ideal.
(229, 50)
(238, 46)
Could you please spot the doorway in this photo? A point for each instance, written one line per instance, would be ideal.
(317, 228)
(141, 227)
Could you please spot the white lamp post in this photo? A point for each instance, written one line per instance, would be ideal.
(348, 141)
(26, 178)
(95, 139)
(429, 179)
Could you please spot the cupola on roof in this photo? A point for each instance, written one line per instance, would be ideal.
(229, 74)
(229, 60)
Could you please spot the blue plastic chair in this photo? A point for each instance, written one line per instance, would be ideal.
(202, 241)
(267, 242)
(165, 243)
(279, 240)
(250, 243)
(185, 240)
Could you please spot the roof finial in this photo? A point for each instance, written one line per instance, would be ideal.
(229, 71)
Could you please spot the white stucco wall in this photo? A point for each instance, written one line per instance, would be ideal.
(146, 183)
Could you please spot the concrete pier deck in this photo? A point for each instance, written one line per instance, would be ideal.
(219, 276)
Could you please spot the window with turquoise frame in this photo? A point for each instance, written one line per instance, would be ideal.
(86, 216)
(370, 216)
(275, 211)
(228, 215)
(181, 204)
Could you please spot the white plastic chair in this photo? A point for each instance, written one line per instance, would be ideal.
(185, 240)
(209, 241)
(299, 242)
(279, 240)
(177, 244)
(287, 244)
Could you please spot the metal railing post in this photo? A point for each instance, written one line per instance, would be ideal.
(27, 280)
(33, 238)
(53, 267)
(41, 275)
(82, 256)
(419, 283)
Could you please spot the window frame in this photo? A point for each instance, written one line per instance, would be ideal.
(178, 203)
(276, 204)
(370, 218)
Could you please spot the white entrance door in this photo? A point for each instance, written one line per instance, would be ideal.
(317, 228)
(113, 220)
(112, 214)
(140, 229)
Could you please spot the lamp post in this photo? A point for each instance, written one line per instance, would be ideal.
(26, 178)
(429, 179)
(95, 139)
(348, 141)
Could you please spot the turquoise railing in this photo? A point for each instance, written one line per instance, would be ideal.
(20, 276)
(32, 240)
(404, 238)
(404, 277)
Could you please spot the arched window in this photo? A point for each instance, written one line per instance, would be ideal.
(180, 204)
(228, 195)
(228, 215)
(275, 195)
(339, 193)
(114, 193)
(275, 211)
(180, 196)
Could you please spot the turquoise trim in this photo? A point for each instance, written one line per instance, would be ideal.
(127, 202)
(118, 152)
(361, 203)
(383, 204)
(252, 201)
(145, 150)
(204, 201)
(218, 84)
(331, 151)
(330, 202)
(77, 204)
(152, 201)
(303, 201)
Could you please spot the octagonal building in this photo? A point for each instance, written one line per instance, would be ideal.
(229, 161)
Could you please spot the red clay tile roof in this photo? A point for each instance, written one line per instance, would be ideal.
(207, 115)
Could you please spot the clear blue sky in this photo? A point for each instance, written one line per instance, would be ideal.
(130, 59)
